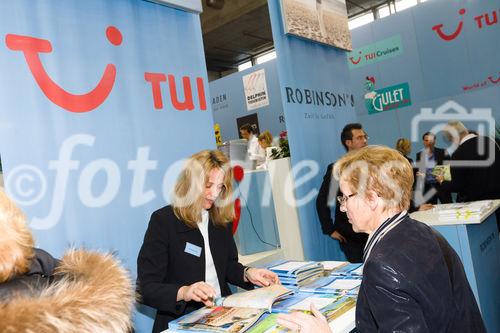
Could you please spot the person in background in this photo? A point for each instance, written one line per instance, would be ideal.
(403, 145)
(254, 151)
(413, 280)
(473, 181)
(353, 137)
(188, 256)
(265, 142)
(84, 292)
(478, 176)
(427, 159)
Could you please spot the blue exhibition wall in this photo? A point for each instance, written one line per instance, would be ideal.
(317, 103)
(99, 101)
(442, 50)
(228, 102)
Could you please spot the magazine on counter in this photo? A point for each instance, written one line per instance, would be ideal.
(235, 313)
(302, 301)
(348, 270)
(334, 285)
(333, 311)
(295, 268)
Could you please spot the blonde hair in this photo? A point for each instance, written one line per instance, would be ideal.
(379, 169)
(267, 137)
(188, 193)
(16, 240)
(403, 145)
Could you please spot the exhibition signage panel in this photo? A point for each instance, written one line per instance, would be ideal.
(317, 104)
(100, 103)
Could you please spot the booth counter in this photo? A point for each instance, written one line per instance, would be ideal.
(269, 224)
(477, 243)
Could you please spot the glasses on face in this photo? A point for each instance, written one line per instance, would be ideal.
(343, 199)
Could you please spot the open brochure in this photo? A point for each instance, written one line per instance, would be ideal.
(235, 313)
(302, 302)
(442, 170)
(335, 308)
(243, 319)
(260, 298)
(217, 319)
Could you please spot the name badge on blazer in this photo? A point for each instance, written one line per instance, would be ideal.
(192, 249)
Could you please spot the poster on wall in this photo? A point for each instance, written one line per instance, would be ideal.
(252, 120)
(387, 98)
(255, 88)
(323, 21)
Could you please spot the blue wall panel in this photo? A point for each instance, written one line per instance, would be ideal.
(228, 98)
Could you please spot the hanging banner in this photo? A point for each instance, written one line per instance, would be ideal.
(99, 101)
(375, 52)
(317, 104)
(385, 99)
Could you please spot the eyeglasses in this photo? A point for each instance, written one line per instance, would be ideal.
(343, 199)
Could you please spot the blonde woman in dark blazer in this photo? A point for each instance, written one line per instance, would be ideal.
(189, 256)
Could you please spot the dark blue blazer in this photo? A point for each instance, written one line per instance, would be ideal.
(163, 265)
(413, 281)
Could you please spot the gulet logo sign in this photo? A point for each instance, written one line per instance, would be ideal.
(376, 52)
(385, 99)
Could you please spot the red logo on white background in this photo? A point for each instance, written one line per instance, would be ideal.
(31, 47)
(355, 62)
(489, 81)
(438, 28)
(482, 21)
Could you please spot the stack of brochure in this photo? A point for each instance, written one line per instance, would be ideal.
(294, 274)
(343, 268)
(343, 285)
(463, 212)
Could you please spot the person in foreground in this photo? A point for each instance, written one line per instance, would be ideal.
(188, 256)
(84, 292)
(413, 281)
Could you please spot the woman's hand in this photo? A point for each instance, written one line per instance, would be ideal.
(425, 206)
(261, 277)
(305, 323)
(336, 235)
(199, 292)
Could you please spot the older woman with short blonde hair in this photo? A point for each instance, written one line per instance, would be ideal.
(413, 281)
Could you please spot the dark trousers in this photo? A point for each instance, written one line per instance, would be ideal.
(353, 251)
(441, 194)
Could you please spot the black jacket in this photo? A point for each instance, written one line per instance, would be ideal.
(39, 276)
(413, 281)
(163, 265)
(475, 182)
(440, 155)
(329, 187)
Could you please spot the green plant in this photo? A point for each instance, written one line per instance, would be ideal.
(283, 149)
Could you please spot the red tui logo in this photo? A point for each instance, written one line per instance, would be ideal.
(31, 47)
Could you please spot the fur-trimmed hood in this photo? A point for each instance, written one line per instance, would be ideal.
(92, 293)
